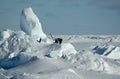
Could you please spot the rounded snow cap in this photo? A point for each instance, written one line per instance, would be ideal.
(5, 34)
(30, 23)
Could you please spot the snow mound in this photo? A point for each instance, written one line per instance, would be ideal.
(86, 60)
(109, 51)
(65, 50)
(19, 48)
(30, 23)
(54, 61)
(15, 49)
(115, 54)
(5, 34)
(61, 74)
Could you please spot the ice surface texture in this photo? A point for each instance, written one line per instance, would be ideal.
(30, 23)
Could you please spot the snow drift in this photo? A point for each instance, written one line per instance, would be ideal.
(13, 49)
(86, 60)
(30, 23)
(18, 48)
(65, 50)
(5, 34)
(107, 50)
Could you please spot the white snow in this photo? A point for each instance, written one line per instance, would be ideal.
(115, 54)
(25, 58)
(30, 23)
(109, 51)
(78, 57)
(5, 34)
(65, 51)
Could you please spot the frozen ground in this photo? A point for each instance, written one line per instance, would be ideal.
(78, 57)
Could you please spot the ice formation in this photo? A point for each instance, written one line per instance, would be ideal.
(19, 48)
(5, 34)
(109, 51)
(25, 58)
(78, 57)
(30, 23)
(65, 50)
(13, 49)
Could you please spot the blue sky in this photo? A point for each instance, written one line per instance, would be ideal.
(65, 16)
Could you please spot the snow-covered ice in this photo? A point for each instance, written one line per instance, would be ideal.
(109, 51)
(78, 57)
(5, 34)
(65, 51)
(75, 58)
(30, 23)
